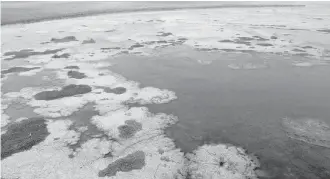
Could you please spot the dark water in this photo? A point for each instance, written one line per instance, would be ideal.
(243, 107)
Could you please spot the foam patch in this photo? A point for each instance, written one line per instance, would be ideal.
(312, 131)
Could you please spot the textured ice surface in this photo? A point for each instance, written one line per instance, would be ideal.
(220, 161)
(23, 136)
(135, 131)
(312, 131)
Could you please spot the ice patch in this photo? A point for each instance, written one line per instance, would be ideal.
(150, 95)
(221, 162)
(4, 119)
(31, 72)
(49, 159)
(312, 131)
(151, 124)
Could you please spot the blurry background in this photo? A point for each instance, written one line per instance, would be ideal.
(17, 12)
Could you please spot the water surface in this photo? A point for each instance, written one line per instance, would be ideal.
(244, 107)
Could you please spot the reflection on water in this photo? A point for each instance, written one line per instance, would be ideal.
(243, 107)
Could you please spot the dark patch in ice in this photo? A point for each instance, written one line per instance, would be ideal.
(133, 161)
(117, 90)
(265, 44)
(105, 50)
(64, 39)
(324, 30)
(161, 42)
(236, 50)
(298, 50)
(273, 37)
(82, 118)
(112, 30)
(64, 55)
(155, 20)
(305, 54)
(108, 155)
(137, 45)
(110, 48)
(298, 29)
(242, 42)
(71, 67)
(164, 34)
(123, 52)
(17, 70)
(90, 41)
(66, 91)
(245, 38)
(129, 129)
(207, 49)
(182, 39)
(226, 41)
(155, 42)
(161, 151)
(23, 136)
(76, 74)
(258, 38)
(165, 158)
(308, 47)
(28, 52)
(228, 50)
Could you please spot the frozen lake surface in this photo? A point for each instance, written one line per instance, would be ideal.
(191, 93)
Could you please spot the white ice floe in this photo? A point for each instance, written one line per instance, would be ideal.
(151, 124)
(221, 162)
(38, 59)
(58, 107)
(4, 119)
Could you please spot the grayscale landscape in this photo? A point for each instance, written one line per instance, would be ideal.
(165, 90)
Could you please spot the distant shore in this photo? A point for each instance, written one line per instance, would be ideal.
(29, 12)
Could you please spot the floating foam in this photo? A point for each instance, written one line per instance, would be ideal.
(312, 131)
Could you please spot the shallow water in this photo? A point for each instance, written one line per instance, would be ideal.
(217, 104)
